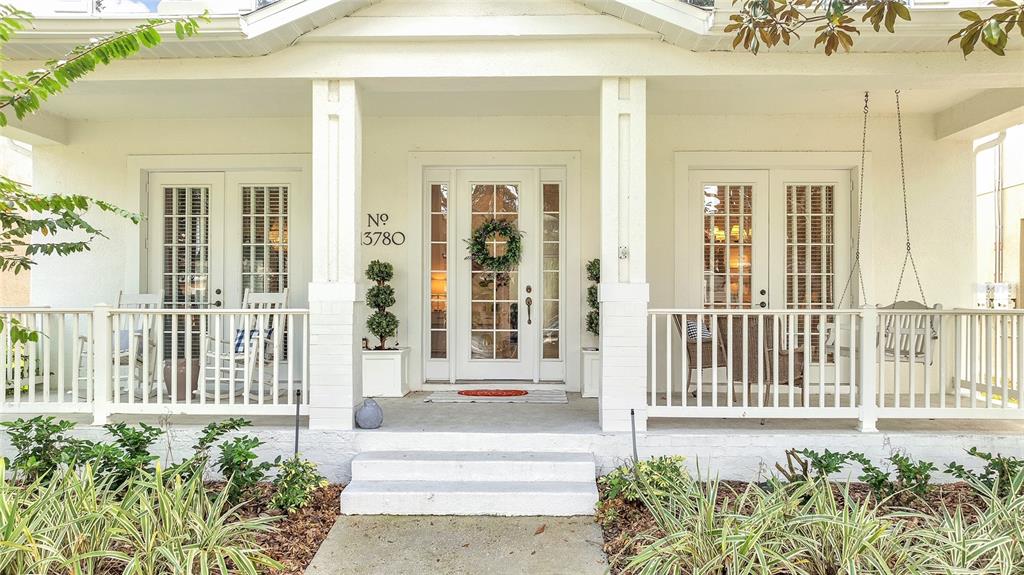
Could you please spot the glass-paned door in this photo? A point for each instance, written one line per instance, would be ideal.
(186, 238)
(500, 312)
(773, 238)
(733, 249)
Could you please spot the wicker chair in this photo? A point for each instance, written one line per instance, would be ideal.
(715, 352)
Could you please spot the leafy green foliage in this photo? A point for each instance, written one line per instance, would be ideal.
(24, 215)
(129, 453)
(296, 481)
(801, 463)
(996, 473)
(594, 270)
(812, 528)
(771, 22)
(593, 318)
(994, 31)
(380, 272)
(42, 444)
(912, 478)
(481, 248)
(24, 94)
(380, 296)
(156, 525)
(238, 463)
(655, 476)
(381, 323)
(208, 437)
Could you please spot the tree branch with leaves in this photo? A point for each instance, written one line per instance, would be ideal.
(767, 23)
(25, 216)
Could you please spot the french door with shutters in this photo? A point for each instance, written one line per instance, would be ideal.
(213, 235)
(772, 238)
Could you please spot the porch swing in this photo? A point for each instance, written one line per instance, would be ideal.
(908, 338)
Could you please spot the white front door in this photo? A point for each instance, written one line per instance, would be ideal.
(499, 314)
(773, 238)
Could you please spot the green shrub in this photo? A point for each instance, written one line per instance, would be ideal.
(800, 463)
(296, 480)
(593, 318)
(654, 476)
(155, 525)
(700, 530)
(210, 435)
(998, 470)
(911, 477)
(42, 445)
(381, 323)
(120, 460)
(237, 463)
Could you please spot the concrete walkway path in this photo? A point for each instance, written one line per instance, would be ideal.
(403, 545)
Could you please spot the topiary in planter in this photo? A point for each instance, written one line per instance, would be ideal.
(381, 323)
(594, 315)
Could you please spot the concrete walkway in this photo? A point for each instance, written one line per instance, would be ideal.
(403, 545)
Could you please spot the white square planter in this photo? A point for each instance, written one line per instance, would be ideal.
(385, 372)
(591, 372)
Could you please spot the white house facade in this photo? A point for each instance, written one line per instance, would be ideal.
(748, 218)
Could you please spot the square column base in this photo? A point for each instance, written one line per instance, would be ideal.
(623, 356)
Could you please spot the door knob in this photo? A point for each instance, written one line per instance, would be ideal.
(529, 311)
(763, 304)
(216, 303)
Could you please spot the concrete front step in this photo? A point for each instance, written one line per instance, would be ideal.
(507, 498)
(473, 466)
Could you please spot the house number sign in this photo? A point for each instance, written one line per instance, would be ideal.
(379, 237)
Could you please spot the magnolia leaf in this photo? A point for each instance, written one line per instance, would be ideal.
(970, 15)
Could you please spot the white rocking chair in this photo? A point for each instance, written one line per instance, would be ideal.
(232, 364)
(135, 337)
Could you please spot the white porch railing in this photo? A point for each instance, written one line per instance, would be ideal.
(46, 375)
(860, 363)
(230, 362)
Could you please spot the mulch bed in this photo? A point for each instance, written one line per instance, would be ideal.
(621, 521)
(296, 537)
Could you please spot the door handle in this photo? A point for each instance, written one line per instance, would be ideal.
(763, 304)
(216, 303)
(529, 310)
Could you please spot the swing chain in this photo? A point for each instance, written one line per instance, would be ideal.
(909, 256)
(855, 268)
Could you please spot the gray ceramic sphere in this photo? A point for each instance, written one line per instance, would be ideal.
(369, 415)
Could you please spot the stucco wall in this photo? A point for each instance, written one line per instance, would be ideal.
(939, 178)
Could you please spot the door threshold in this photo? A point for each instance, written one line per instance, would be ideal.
(435, 385)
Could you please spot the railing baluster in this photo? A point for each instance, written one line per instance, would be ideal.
(775, 360)
(652, 368)
(668, 361)
(700, 360)
(729, 367)
(760, 359)
(714, 359)
(912, 359)
(821, 361)
(1004, 374)
(745, 353)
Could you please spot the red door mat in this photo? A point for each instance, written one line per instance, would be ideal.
(493, 392)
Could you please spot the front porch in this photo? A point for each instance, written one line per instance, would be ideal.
(618, 169)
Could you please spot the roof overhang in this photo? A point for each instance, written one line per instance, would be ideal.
(283, 23)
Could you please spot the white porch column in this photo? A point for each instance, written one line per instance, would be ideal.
(335, 387)
(624, 292)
